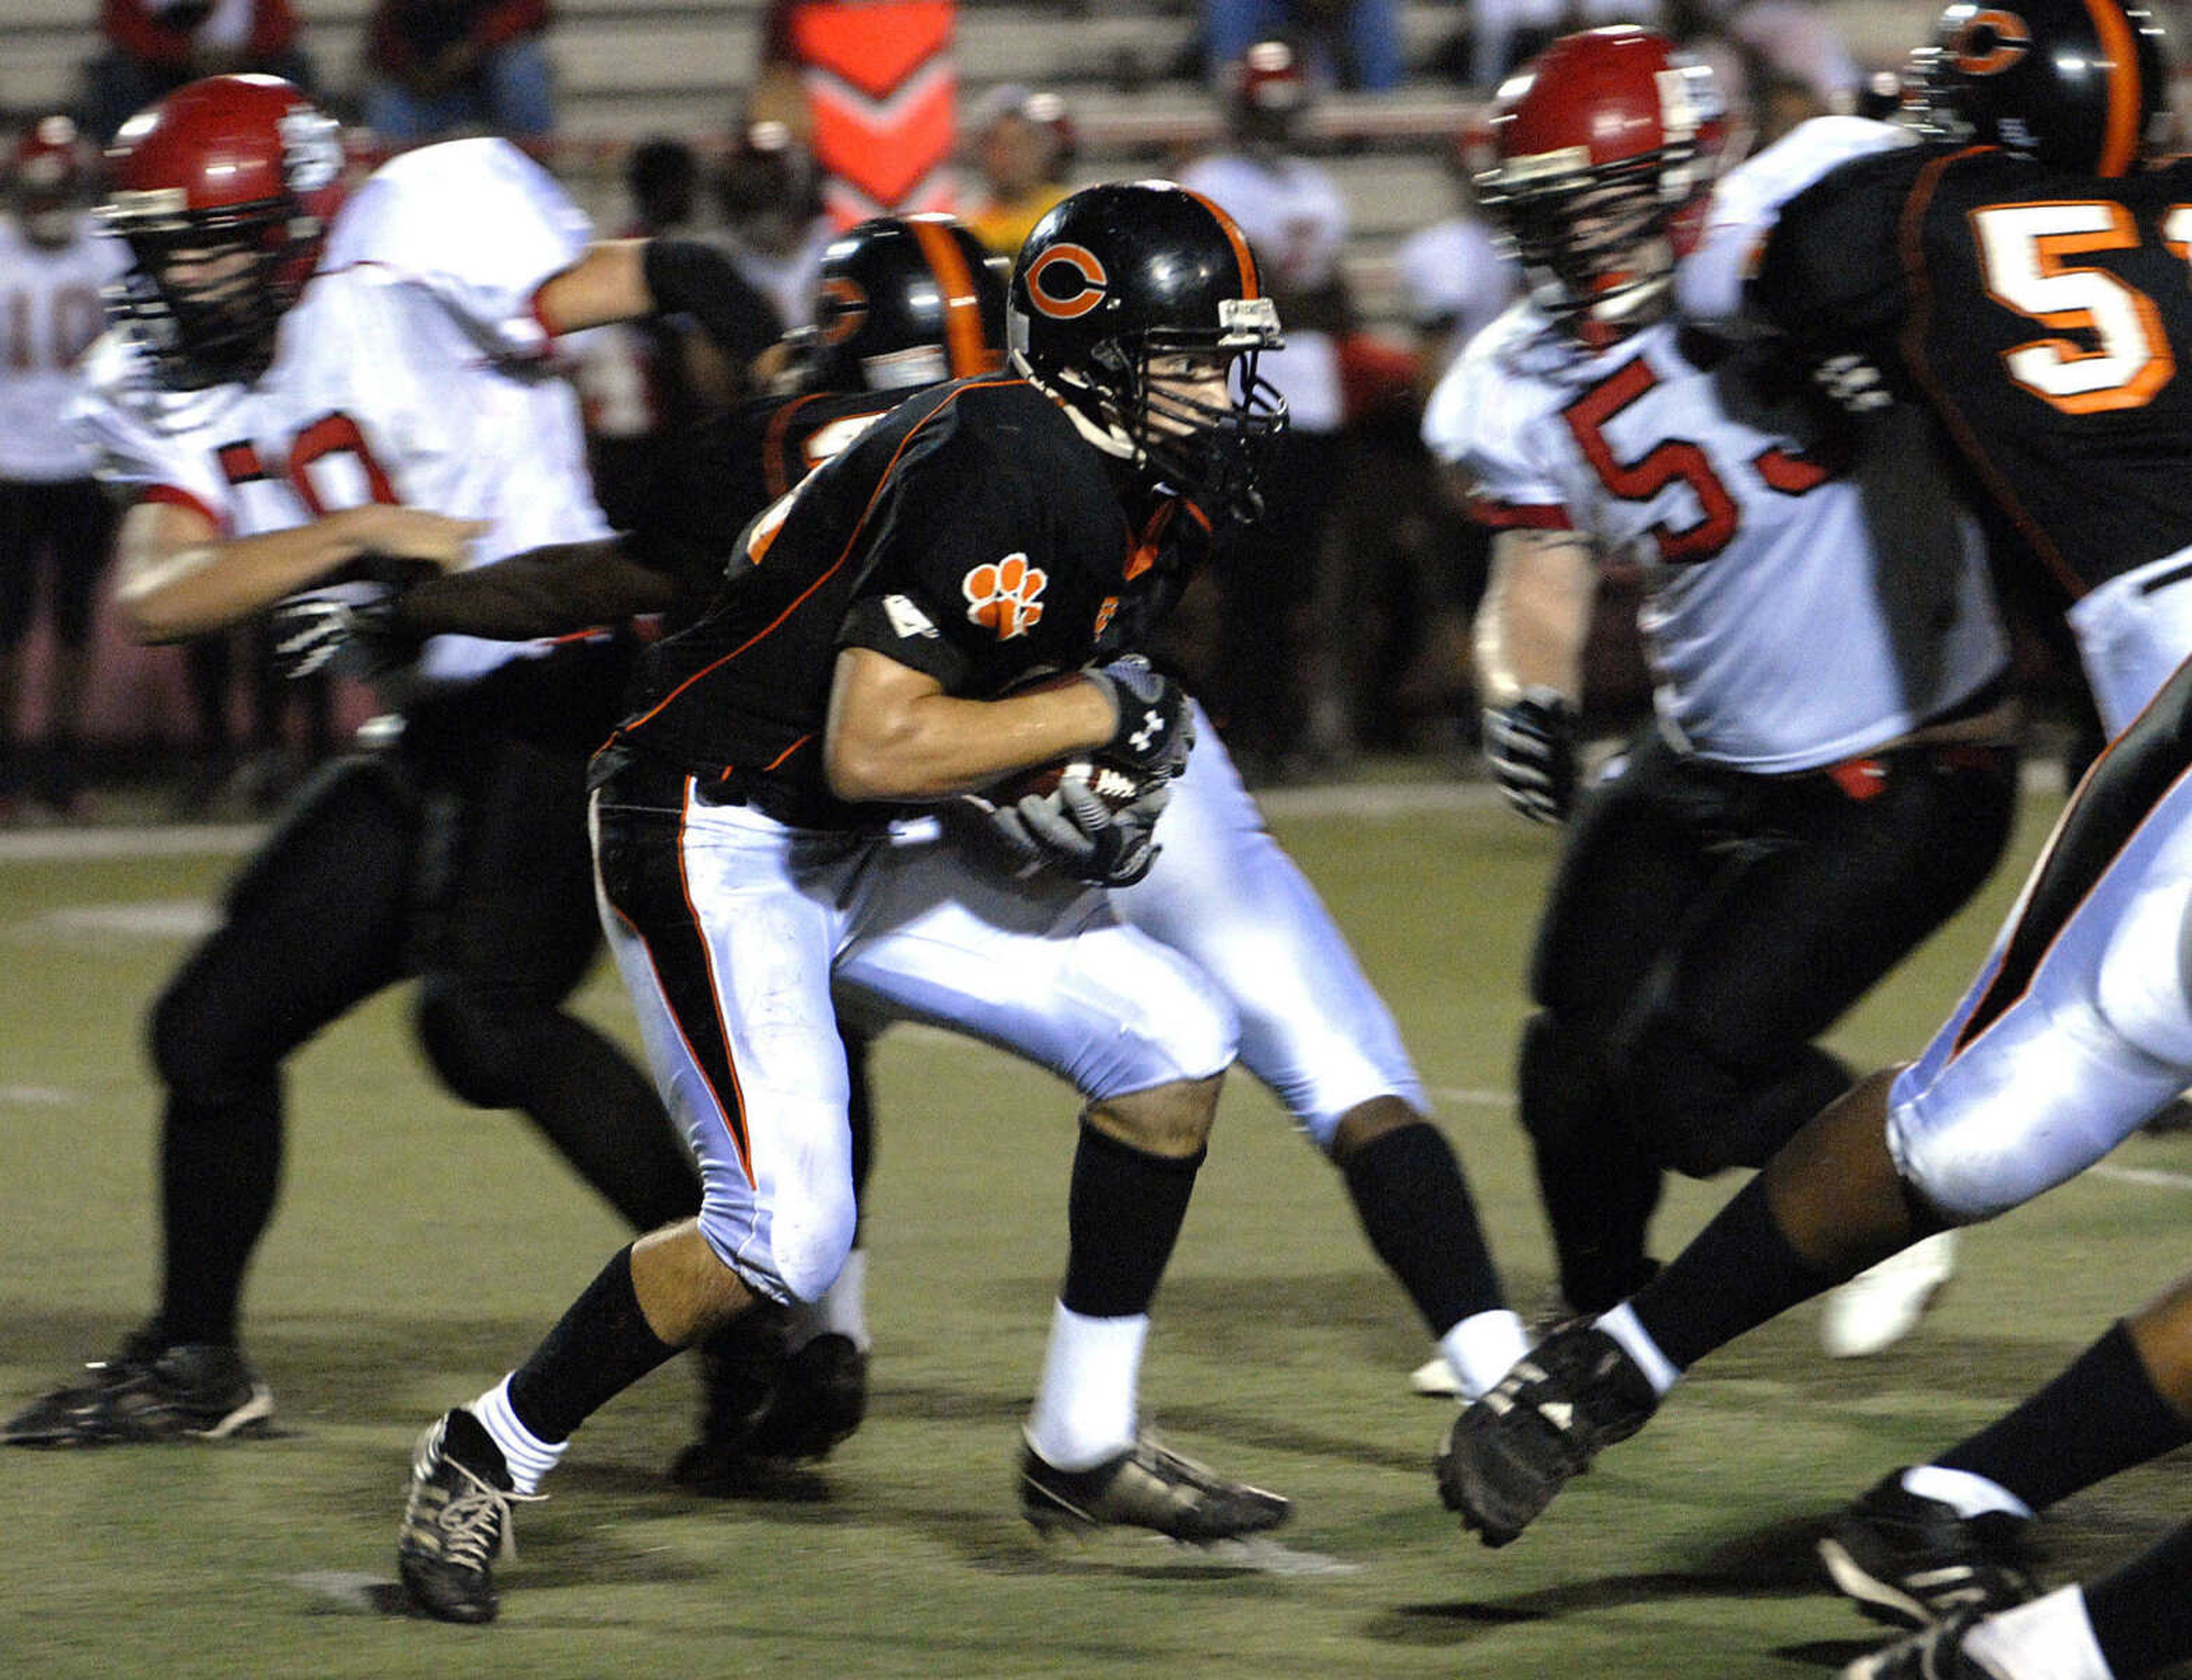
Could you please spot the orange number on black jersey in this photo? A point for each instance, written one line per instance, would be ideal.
(1673, 461)
(2123, 355)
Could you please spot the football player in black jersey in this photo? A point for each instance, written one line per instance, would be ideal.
(876, 652)
(2034, 300)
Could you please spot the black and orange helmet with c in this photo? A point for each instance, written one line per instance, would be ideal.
(901, 301)
(1117, 276)
(2078, 84)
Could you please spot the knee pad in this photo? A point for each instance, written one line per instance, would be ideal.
(468, 1040)
(196, 1058)
(1562, 1077)
(1700, 1110)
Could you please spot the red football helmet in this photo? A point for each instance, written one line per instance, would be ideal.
(1605, 145)
(49, 179)
(223, 190)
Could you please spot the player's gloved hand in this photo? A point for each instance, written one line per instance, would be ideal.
(348, 634)
(1072, 828)
(1531, 743)
(1156, 732)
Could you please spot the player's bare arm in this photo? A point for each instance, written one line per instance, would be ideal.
(543, 591)
(1536, 615)
(894, 734)
(178, 577)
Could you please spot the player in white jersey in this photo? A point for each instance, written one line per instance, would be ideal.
(54, 519)
(1826, 777)
(2077, 1029)
(286, 396)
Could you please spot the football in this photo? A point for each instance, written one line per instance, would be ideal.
(1118, 788)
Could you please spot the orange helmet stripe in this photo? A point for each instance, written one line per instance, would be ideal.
(1240, 251)
(2119, 144)
(969, 351)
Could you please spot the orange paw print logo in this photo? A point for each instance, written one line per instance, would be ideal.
(1005, 595)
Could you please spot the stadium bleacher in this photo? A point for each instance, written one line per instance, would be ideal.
(631, 68)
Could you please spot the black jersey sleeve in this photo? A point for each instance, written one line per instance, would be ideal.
(1832, 274)
(961, 567)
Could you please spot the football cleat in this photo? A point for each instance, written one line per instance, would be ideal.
(1568, 1399)
(1145, 1486)
(1936, 1654)
(1883, 1304)
(145, 1393)
(456, 1522)
(821, 1395)
(1912, 1561)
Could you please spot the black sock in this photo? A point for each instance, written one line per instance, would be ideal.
(599, 1348)
(1736, 1273)
(1122, 1214)
(219, 1168)
(2137, 1611)
(1416, 1210)
(2048, 1448)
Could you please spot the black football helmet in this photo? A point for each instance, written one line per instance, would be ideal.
(902, 301)
(2078, 84)
(1115, 275)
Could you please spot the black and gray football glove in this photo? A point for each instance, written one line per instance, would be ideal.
(1154, 733)
(1531, 744)
(1074, 829)
(351, 634)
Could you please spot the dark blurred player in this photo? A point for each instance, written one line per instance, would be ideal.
(2035, 301)
(55, 523)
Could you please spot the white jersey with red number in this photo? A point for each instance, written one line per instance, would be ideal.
(415, 368)
(1779, 637)
(1295, 221)
(50, 314)
(188, 447)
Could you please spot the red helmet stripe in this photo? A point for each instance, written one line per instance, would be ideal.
(968, 351)
(2120, 141)
(1242, 253)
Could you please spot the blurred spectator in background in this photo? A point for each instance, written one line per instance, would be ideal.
(155, 46)
(1272, 685)
(1500, 34)
(1023, 145)
(1348, 44)
(770, 193)
(1455, 276)
(436, 68)
(640, 380)
(1776, 62)
(55, 521)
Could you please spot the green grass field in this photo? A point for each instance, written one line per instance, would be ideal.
(420, 1248)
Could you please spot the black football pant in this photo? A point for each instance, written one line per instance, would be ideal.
(458, 857)
(1704, 926)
